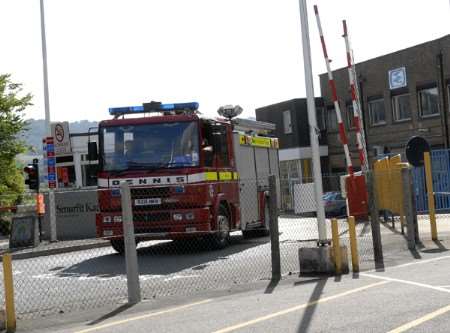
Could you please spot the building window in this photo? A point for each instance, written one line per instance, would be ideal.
(349, 114)
(429, 102)
(377, 112)
(401, 107)
(321, 119)
(331, 119)
(287, 122)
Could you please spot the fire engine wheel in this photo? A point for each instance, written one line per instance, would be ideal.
(221, 238)
(119, 245)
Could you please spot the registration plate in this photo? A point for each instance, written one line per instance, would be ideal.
(147, 201)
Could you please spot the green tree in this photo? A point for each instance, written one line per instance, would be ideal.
(12, 106)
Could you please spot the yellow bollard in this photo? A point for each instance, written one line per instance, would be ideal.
(9, 294)
(353, 244)
(336, 246)
(430, 194)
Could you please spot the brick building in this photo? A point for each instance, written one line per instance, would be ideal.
(404, 94)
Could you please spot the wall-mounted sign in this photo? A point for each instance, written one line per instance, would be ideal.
(61, 135)
(397, 78)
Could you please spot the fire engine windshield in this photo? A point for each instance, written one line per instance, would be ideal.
(147, 146)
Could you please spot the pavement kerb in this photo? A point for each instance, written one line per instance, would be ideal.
(53, 251)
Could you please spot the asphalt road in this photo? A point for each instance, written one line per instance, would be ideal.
(413, 297)
(94, 278)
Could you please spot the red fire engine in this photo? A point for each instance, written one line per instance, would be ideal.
(190, 177)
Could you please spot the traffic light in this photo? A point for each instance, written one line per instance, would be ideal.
(32, 171)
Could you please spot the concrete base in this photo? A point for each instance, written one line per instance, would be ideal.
(320, 260)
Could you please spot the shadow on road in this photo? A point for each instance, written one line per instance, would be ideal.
(162, 259)
(309, 311)
(440, 248)
(112, 314)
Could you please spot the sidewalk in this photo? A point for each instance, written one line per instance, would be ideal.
(47, 248)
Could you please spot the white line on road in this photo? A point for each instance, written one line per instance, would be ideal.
(298, 307)
(149, 315)
(421, 262)
(417, 284)
(421, 320)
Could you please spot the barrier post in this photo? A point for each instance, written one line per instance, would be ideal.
(134, 289)
(430, 194)
(336, 245)
(408, 207)
(353, 243)
(374, 219)
(9, 294)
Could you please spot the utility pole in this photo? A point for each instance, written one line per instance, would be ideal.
(313, 130)
(44, 64)
(51, 193)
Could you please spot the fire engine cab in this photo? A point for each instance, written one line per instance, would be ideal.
(190, 177)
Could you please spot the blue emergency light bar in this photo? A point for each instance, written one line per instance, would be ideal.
(154, 107)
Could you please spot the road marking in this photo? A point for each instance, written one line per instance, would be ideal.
(421, 320)
(298, 307)
(149, 315)
(421, 262)
(417, 284)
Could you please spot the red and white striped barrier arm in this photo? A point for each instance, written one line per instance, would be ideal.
(355, 103)
(342, 134)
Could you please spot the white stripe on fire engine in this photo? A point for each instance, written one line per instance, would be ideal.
(162, 180)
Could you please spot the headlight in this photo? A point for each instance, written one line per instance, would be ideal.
(118, 219)
(190, 216)
(177, 217)
(106, 219)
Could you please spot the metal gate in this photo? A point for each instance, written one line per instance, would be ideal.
(440, 161)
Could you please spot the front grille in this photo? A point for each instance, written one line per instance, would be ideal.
(153, 217)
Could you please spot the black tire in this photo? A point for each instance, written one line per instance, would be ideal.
(248, 234)
(118, 245)
(221, 238)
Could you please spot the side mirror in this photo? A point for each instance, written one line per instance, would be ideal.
(92, 151)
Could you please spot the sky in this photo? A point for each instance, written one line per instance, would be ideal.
(105, 53)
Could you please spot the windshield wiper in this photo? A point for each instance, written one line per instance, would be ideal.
(180, 164)
(145, 165)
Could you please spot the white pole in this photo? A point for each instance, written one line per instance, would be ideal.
(52, 210)
(131, 261)
(313, 130)
(44, 63)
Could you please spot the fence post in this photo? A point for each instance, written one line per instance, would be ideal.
(134, 290)
(374, 219)
(274, 233)
(9, 293)
(408, 207)
(430, 194)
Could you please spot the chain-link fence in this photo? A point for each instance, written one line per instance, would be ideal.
(190, 239)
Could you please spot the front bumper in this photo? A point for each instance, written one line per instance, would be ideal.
(159, 224)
